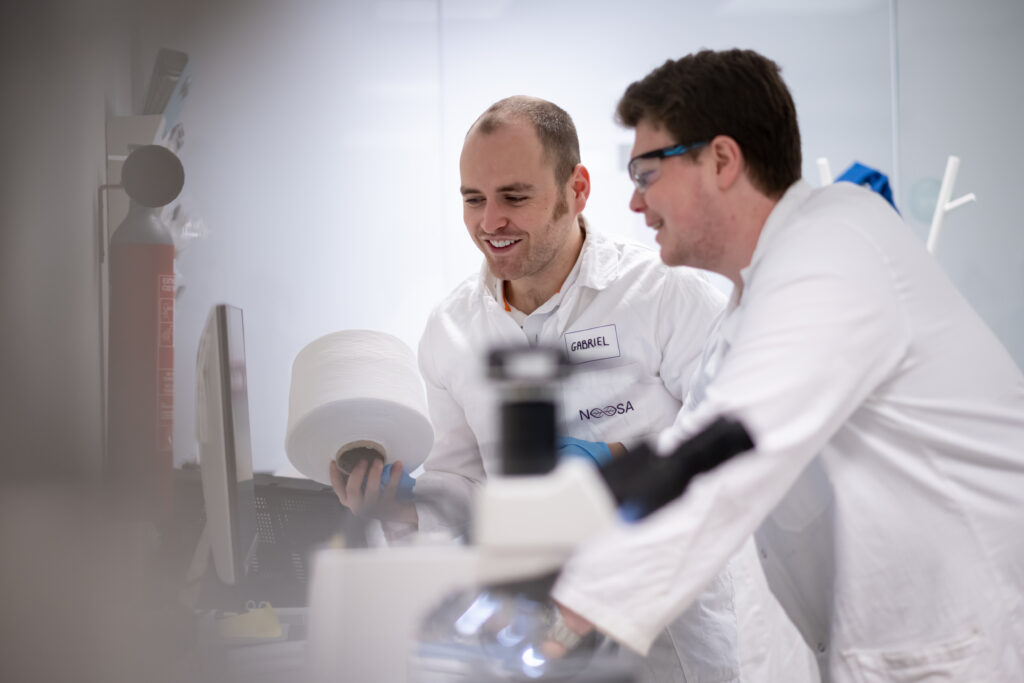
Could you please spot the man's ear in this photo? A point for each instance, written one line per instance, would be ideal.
(728, 159)
(579, 188)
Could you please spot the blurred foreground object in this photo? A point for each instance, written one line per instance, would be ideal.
(482, 612)
(88, 599)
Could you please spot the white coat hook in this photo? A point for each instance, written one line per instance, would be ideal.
(944, 205)
(824, 172)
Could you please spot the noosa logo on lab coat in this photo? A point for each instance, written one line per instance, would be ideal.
(596, 343)
(607, 411)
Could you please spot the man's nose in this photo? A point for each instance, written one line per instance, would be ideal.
(494, 218)
(636, 202)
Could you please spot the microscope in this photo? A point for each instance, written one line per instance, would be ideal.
(480, 611)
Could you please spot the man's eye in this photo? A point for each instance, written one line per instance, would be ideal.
(514, 198)
(473, 201)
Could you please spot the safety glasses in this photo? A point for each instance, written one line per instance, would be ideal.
(644, 169)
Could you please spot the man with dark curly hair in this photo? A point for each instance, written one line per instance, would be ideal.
(886, 487)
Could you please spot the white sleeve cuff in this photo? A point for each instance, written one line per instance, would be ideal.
(622, 630)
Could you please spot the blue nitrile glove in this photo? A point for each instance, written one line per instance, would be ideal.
(596, 451)
(405, 484)
(859, 174)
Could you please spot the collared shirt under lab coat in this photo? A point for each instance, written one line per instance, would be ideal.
(887, 485)
(648, 324)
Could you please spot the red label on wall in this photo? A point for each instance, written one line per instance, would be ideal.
(141, 373)
(165, 361)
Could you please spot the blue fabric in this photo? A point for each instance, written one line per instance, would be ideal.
(405, 484)
(859, 174)
(596, 451)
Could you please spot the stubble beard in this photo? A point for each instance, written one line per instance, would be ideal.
(704, 249)
(532, 264)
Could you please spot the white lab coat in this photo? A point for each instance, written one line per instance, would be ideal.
(887, 485)
(651, 321)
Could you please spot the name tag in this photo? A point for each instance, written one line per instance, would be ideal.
(597, 343)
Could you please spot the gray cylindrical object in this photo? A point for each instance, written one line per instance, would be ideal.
(528, 378)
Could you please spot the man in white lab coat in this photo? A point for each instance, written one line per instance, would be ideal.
(632, 327)
(886, 488)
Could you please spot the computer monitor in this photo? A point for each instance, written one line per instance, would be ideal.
(225, 451)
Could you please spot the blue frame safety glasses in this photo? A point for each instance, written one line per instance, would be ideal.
(643, 168)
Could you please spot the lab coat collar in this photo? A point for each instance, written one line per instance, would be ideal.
(794, 197)
(599, 261)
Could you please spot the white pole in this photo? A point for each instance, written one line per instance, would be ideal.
(957, 203)
(824, 172)
(945, 191)
(943, 205)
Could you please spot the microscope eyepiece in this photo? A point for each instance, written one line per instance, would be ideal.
(526, 378)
